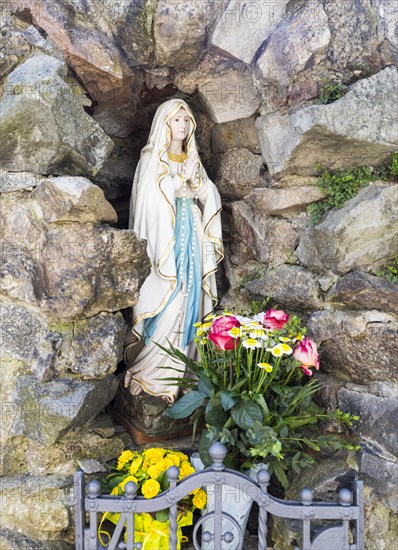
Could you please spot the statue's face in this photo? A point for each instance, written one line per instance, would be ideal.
(179, 125)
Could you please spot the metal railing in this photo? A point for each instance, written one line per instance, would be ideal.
(346, 533)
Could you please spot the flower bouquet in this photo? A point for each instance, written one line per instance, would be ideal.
(148, 470)
(255, 389)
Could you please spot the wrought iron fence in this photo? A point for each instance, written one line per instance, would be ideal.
(346, 532)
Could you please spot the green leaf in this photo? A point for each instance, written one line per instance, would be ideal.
(186, 405)
(284, 431)
(162, 515)
(215, 415)
(280, 474)
(206, 440)
(205, 386)
(228, 400)
(246, 413)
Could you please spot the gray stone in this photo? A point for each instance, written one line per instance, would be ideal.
(47, 131)
(381, 524)
(235, 133)
(382, 475)
(10, 540)
(25, 337)
(284, 202)
(290, 286)
(14, 181)
(348, 238)
(103, 426)
(240, 171)
(243, 27)
(357, 130)
(229, 95)
(92, 347)
(91, 466)
(378, 418)
(73, 199)
(356, 346)
(46, 412)
(364, 291)
(39, 507)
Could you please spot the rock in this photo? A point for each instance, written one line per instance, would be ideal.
(76, 446)
(291, 286)
(91, 466)
(344, 241)
(37, 507)
(284, 202)
(46, 412)
(382, 475)
(235, 133)
(378, 418)
(356, 130)
(364, 291)
(243, 27)
(103, 426)
(25, 337)
(179, 31)
(240, 171)
(229, 95)
(9, 540)
(92, 347)
(356, 346)
(381, 524)
(14, 181)
(293, 46)
(56, 135)
(73, 199)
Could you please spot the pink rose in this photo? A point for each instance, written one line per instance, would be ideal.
(219, 332)
(306, 352)
(275, 319)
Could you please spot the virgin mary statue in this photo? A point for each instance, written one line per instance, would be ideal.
(176, 208)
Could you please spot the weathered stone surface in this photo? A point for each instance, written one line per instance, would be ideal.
(284, 202)
(291, 286)
(236, 133)
(13, 181)
(381, 524)
(179, 31)
(92, 347)
(292, 44)
(103, 426)
(91, 466)
(27, 338)
(37, 507)
(356, 346)
(349, 238)
(243, 27)
(382, 475)
(57, 135)
(364, 291)
(229, 95)
(357, 130)
(239, 173)
(46, 412)
(73, 199)
(10, 540)
(378, 419)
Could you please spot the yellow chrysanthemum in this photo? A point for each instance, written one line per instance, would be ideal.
(150, 488)
(135, 465)
(183, 457)
(175, 459)
(251, 343)
(186, 469)
(284, 339)
(286, 349)
(154, 471)
(258, 333)
(200, 499)
(154, 455)
(125, 457)
(266, 366)
(276, 351)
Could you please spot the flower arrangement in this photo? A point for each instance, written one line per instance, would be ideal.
(148, 469)
(254, 388)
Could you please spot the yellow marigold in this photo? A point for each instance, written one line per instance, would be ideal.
(150, 488)
(154, 455)
(200, 499)
(186, 469)
(125, 457)
(135, 465)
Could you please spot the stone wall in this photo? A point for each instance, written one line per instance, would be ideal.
(80, 82)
